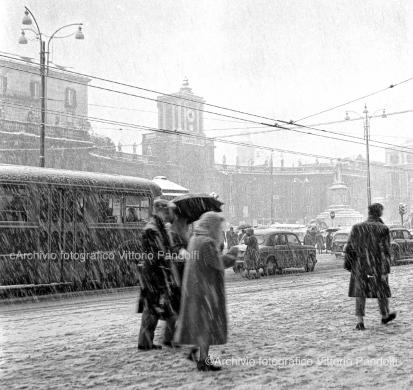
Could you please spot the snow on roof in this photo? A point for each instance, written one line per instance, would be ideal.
(63, 177)
(168, 186)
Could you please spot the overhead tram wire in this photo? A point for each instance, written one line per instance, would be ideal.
(142, 97)
(219, 114)
(354, 100)
(207, 104)
(148, 128)
(141, 127)
(276, 125)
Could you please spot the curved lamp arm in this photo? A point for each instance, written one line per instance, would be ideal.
(35, 21)
(37, 26)
(53, 36)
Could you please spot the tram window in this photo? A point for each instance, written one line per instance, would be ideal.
(44, 202)
(55, 205)
(73, 207)
(16, 204)
(68, 209)
(79, 208)
(109, 208)
(137, 208)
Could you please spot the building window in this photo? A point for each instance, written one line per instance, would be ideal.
(70, 98)
(3, 85)
(35, 89)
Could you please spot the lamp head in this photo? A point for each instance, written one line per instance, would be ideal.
(27, 20)
(79, 33)
(23, 39)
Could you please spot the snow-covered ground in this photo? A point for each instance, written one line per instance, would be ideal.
(286, 331)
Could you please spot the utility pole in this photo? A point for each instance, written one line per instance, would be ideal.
(367, 136)
(42, 100)
(272, 186)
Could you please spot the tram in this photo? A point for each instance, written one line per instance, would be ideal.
(71, 228)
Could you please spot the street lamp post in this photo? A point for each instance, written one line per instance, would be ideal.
(272, 187)
(366, 121)
(44, 68)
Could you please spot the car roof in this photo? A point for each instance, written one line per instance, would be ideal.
(262, 232)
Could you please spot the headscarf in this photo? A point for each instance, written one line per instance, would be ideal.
(210, 225)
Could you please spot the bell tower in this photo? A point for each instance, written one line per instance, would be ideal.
(181, 111)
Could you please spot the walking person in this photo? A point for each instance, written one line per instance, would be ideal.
(319, 242)
(251, 256)
(367, 257)
(155, 279)
(329, 242)
(202, 319)
(232, 238)
(179, 237)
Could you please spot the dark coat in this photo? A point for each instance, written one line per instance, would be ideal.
(177, 265)
(310, 239)
(202, 318)
(155, 275)
(251, 256)
(367, 257)
(232, 239)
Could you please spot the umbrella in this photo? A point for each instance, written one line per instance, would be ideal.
(332, 230)
(192, 206)
(244, 226)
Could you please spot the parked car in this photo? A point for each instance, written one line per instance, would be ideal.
(279, 250)
(401, 244)
(339, 242)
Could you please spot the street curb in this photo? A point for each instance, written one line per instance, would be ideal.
(68, 295)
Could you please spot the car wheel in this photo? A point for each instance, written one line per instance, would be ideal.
(312, 262)
(271, 266)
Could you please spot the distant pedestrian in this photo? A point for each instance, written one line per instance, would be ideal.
(329, 242)
(319, 242)
(241, 236)
(202, 319)
(155, 279)
(310, 238)
(367, 257)
(251, 256)
(232, 238)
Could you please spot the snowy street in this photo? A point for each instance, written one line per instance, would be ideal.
(294, 330)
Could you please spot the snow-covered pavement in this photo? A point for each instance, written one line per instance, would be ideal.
(286, 331)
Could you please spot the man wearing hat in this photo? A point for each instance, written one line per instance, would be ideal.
(154, 279)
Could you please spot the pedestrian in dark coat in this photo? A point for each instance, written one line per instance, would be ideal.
(179, 235)
(367, 257)
(329, 242)
(232, 238)
(309, 238)
(202, 320)
(155, 279)
(319, 242)
(251, 256)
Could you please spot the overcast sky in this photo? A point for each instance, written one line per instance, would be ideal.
(281, 59)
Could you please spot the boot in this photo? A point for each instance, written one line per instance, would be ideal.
(206, 365)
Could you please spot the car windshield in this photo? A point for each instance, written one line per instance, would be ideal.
(341, 237)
